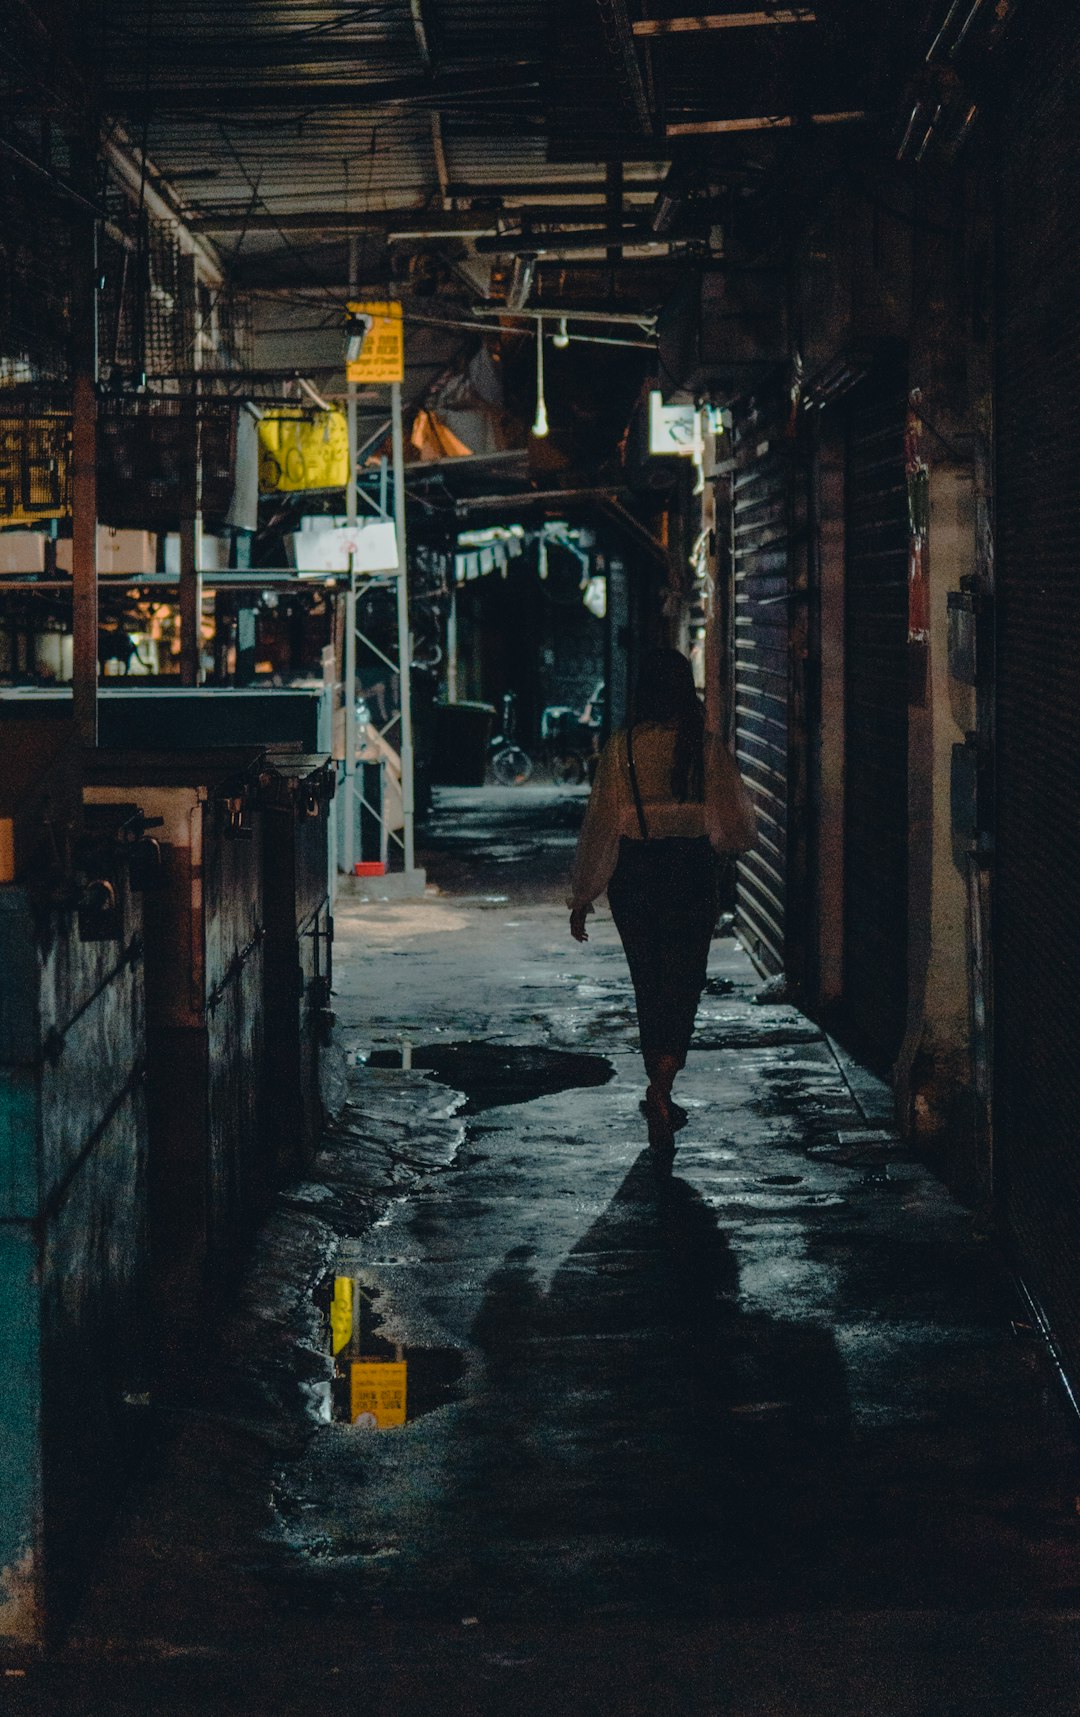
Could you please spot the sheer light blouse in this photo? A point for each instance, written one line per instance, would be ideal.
(726, 816)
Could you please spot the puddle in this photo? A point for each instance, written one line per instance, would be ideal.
(494, 1074)
(379, 1384)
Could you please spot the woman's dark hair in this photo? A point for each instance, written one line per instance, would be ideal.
(666, 693)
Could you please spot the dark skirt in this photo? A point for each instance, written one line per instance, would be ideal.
(663, 898)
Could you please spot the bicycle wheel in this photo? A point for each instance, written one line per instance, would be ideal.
(511, 767)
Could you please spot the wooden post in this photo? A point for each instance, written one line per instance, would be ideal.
(191, 588)
(84, 571)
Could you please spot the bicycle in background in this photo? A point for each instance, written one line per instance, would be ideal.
(510, 765)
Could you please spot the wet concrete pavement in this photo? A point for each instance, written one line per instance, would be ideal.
(757, 1439)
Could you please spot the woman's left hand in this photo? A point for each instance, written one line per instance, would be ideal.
(577, 924)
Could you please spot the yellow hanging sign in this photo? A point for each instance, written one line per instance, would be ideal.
(341, 1313)
(377, 1391)
(382, 354)
(298, 451)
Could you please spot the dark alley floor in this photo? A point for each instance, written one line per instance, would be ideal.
(757, 1441)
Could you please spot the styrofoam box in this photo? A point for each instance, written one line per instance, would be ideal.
(123, 552)
(22, 551)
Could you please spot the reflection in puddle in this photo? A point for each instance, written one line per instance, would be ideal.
(379, 1384)
(491, 1074)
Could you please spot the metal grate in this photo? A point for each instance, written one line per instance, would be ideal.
(1037, 895)
(876, 735)
(762, 535)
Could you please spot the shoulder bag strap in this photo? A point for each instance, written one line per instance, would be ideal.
(636, 790)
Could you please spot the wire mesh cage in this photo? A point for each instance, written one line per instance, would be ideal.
(145, 459)
(35, 270)
(157, 320)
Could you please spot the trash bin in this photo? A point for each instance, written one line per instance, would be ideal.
(73, 1248)
(204, 931)
(295, 794)
(462, 733)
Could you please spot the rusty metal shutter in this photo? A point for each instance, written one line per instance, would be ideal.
(876, 734)
(761, 490)
(1037, 894)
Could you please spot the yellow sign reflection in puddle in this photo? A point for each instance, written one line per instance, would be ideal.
(377, 1393)
(341, 1313)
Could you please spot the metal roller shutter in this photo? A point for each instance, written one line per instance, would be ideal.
(761, 551)
(876, 733)
(1037, 896)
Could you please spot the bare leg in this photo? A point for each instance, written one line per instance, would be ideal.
(658, 1103)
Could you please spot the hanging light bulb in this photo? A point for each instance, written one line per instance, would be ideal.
(562, 338)
(540, 426)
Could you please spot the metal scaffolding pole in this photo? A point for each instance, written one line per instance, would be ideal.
(452, 644)
(348, 845)
(404, 639)
(190, 599)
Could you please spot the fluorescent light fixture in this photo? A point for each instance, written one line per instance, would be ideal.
(540, 426)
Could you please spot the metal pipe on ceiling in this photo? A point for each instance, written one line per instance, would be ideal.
(759, 122)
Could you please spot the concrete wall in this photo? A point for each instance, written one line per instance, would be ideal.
(934, 1071)
(72, 1244)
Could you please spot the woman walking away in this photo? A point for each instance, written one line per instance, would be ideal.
(667, 798)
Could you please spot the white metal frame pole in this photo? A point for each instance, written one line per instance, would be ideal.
(348, 844)
(452, 639)
(404, 639)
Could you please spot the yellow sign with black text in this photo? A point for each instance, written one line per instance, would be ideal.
(382, 355)
(377, 1391)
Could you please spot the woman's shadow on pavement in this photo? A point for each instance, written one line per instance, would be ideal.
(649, 1442)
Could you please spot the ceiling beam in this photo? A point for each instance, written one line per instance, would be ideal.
(760, 122)
(526, 188)
(722, 21)
(437, 222)
(563, 243)
(143, 182)
(438, 150)
(512, 79)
